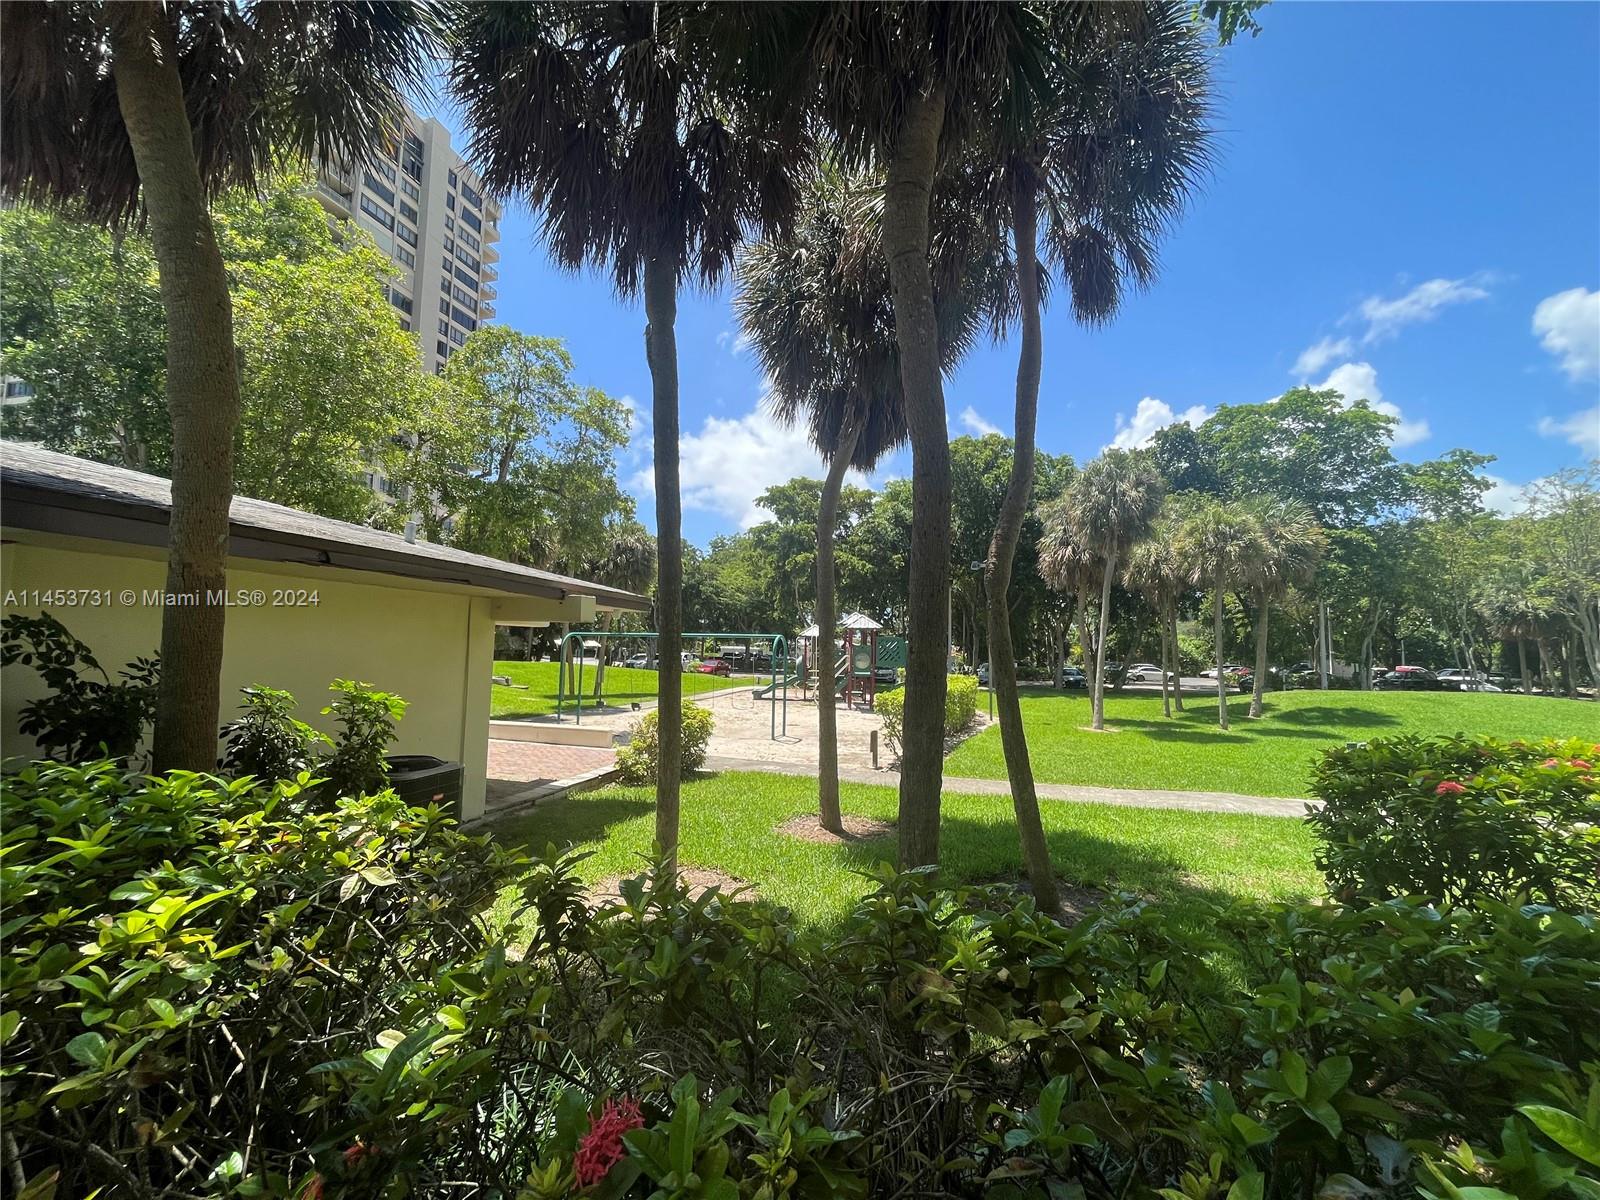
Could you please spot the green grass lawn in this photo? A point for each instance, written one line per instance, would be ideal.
(728, 822)
(622, 685)
(1267, 757)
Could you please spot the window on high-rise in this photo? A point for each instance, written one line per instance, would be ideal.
(450, 223)
(471, 239)
(462, 319)
(444, 305)
(405, 256)
(453, 178)
(408, 212)
(377, 187)
(470, 259)
(471, 197)
(450, 203)
(411, 190)
(376, 211)
(388, 171)
(458, 338)
(467, 278)
(442, 349)
(406, 234)
(444, 327)
(469, 217)
(403, 303)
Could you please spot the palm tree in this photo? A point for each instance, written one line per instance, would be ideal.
(1155, 568)
(1292, 543)
(1110, 506)
(816, 306)
(1068, 566)
(906, 84)
(1220, 538)
(147, 110)
(1107, 158)
(644, 136)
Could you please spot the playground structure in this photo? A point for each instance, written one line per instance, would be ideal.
(855, 669)
(573, 657)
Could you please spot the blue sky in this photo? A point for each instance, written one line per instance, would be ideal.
(1406, 204)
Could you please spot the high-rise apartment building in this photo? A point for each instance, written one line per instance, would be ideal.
(427, 211)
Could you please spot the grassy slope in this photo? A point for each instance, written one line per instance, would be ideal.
(1268, 757)
(728, 824)
(622, 684)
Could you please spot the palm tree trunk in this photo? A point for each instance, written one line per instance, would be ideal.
(661, 350)
(1177, 659)
(202, 385)
(827, 618)
(1265, 607)
(1099, 719)
(1222, 683)
(1002, 555)
(1166, 659)
(907, 192)
(1522, 664)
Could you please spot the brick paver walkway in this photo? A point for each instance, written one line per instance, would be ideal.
(527, 771)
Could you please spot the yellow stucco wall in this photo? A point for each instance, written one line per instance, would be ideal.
(433, 647)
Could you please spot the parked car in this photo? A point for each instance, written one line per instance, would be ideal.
(983, 674)
(887, 677)
(1227, 669)
(1409, 679)
(639, 662)
(1113, 671)
(1072, 677)
(714, 666)
(1144, 673)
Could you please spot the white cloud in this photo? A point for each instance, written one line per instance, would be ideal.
(1507, 498)
(1313, 358)
(1582, 429)
(1150, 416)
(731, 461)
(1359, 381)
(734, 343)
(1568, 325)
(973, 421)
(1385, 318)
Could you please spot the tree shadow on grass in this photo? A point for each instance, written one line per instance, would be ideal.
(1179, 729)
(1323, 714)
(568, 821)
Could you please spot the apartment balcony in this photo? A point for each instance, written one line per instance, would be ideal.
(490, 253)
(331, 200)
(485, 312)
(486, 292)
(341, 182)
(488, 273)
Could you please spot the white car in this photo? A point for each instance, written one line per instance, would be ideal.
(639, 662)
(1144, 673)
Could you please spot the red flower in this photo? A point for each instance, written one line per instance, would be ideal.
(356, 1151)
(313, 1189)
(1448, 788)
(601, 1148)
(1581, 765)
(1551, 762)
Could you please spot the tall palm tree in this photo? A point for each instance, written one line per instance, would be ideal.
(816, 307)
(1068, 566)
(1220, 538)
(1155, 568)
(1292, 543)
(1110, 506)
(650, 138)
(907, 84)
(1106, 158)
(627, 560)
(148, 109)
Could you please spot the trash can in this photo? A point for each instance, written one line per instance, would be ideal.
(422, 779)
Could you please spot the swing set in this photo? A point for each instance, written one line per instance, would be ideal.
(777, 691)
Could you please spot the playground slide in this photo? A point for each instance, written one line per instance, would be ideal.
(761, 693)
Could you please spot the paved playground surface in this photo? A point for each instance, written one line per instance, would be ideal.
(743, 729)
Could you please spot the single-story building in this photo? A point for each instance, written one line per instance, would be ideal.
(322, 600)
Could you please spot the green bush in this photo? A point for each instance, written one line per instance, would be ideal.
(1459, 819)
(960, 706)
(367, 718)
(638, 760)
(267, 742)
(184, 956)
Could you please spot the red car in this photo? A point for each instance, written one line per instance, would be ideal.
(713, 666)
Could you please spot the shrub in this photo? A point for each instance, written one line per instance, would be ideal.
(81, 718)
(267, 742)
(366, 719)
(1460, 819)
(960, 706)
(183, 957)
(638, 760)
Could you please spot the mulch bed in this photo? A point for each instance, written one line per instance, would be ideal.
(1076, 901)
(808, 828)
(698, 881)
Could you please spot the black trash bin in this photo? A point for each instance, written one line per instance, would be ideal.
(423, 779)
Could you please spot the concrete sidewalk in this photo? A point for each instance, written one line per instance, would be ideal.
(1224, 802)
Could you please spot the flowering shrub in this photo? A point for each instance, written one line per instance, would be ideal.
(637, 761)
(1459, 819)
(207, 995)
